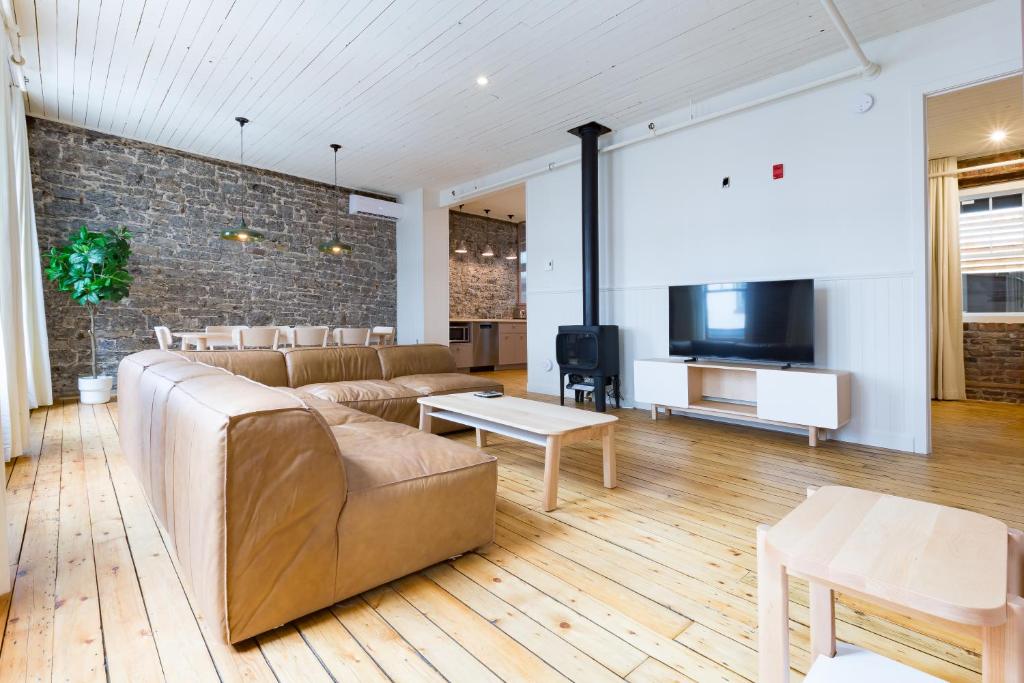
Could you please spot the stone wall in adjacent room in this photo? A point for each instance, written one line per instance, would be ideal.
(482, 286)
(176, 204)
(994, 361)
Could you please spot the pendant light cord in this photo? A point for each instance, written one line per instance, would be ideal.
(337, 219)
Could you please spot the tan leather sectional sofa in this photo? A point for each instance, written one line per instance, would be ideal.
(288, 481)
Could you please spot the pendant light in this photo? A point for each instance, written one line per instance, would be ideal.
(488, 251)
(243, 233)
(460, 248)
(512, 255)
(336, 247)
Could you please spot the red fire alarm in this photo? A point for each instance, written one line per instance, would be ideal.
(777, 172)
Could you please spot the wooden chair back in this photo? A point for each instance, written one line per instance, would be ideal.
(310, 335)
(352, 336)
(257, 337)
(163, 337)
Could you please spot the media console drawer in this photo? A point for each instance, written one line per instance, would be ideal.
(813, 398)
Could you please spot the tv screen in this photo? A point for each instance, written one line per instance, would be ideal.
(756, 321)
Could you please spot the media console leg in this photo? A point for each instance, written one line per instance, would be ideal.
(812, 436)
(654, 411)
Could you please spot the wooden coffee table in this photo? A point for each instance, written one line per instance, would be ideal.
(534, 422)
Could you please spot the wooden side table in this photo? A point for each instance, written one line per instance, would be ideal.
(927, 561)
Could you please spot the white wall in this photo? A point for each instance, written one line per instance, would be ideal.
(422, 254)
(849, 213)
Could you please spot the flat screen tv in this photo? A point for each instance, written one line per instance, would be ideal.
(770, 322)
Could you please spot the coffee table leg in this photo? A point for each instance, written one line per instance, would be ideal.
(608, 450)
(424, 418)
(823, 621)
(552, 454)
(481, 438)
(772, 615)
(200, 343)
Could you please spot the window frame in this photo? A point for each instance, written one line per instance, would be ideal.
(1012, 187)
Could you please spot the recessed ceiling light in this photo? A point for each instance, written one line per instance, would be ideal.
(482, 80)
(998, 135)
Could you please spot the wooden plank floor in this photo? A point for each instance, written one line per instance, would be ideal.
(653, 581)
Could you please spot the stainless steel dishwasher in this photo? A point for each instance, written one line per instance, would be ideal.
(485, 344)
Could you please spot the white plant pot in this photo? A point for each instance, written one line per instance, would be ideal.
(95, 389)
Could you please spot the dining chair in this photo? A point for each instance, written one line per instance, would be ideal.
(163, 337)
(310, 335)
(286, 338)
(225, 342)
(352, 336)
(382, 335)
(257, 337)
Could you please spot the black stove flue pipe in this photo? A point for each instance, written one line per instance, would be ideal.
(588, 134)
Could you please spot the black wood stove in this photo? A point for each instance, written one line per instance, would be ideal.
(589, 353)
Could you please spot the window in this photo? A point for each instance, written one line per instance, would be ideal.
(992, 252)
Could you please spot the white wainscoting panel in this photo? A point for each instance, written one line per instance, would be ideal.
(863, 325)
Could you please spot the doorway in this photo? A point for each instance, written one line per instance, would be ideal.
(487, 282)
(975, 144)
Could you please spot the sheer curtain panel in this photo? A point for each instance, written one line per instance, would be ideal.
(24, 355)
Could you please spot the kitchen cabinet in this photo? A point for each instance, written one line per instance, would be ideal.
(463, 352)
(512, 343)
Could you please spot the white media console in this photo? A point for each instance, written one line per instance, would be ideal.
(810, 398)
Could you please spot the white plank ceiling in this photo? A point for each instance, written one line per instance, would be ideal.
(394, 80)
(960, 122)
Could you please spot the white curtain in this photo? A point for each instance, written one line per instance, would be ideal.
(947, 362)
(24, 353)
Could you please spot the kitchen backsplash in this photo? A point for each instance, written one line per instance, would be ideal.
(482, 286)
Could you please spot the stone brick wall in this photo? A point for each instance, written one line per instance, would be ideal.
(994, 361)
(176, 204)
(481, 286)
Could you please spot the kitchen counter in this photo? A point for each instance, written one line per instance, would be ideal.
(487, 320)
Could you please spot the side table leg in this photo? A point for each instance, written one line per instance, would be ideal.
(654, 411)
(552, 455)
(424, 418)
(823, 621)
(481, 438)
(772, 615)
(608, 451)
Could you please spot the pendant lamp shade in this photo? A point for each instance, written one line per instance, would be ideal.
(334, 246)
(243, 232)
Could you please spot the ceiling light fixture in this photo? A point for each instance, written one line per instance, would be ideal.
(998, 135)
(460, 248)
(335, 247)
(482, 80)
(243, 233)
(512, 255)
(488, 251)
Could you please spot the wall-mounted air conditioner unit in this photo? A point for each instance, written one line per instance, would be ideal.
(377, 208)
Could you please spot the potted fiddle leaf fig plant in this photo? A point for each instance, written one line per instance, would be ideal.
(92, 268)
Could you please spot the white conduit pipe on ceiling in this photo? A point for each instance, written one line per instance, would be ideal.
(867, 69)
(14, 36)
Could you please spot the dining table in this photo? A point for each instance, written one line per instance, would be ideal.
(202, 340)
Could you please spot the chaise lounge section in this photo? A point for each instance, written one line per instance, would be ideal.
(279, 501)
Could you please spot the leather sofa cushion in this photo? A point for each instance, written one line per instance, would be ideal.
(384, 453)
(386, 400)
(447, 383)
(318, 365)
(333, 413)
(263, 366)
(415, 359)
(414, 500)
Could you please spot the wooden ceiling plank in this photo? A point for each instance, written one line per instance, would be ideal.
(255, 102)
(25, 15)
(182, 40)
(137, 22)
